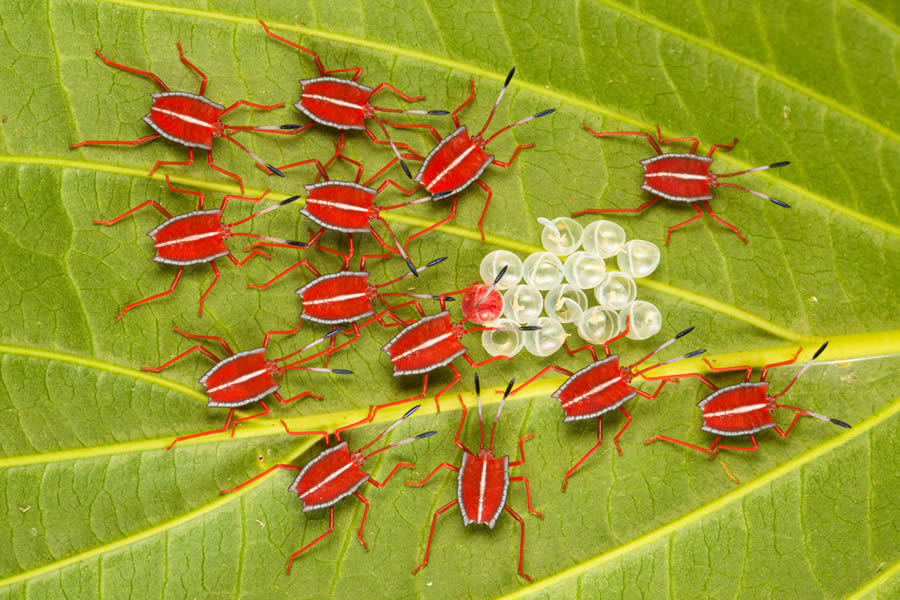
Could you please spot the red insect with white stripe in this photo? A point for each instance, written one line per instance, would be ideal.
(343, 104)
(745, 408)
(603, 386)
(349, 207)
(246, 377)
(335, 474)
(191, 120)
(483, 481)
(683, 178)
(434, 342)
(196, 238)
(460, 159)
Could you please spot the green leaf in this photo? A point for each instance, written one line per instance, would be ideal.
(95, 505)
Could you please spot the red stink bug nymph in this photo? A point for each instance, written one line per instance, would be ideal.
(683, 178)
(246, 377)
(197, 237)
(191, 120)
(335, 474)
(483, 481)
(745, 408)
(459, 159)
(603, 386)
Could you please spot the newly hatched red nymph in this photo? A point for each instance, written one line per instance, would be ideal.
(343, 104)
(196, 238)
(247, 377)
(683, 178)
(745, 408)
(191, 120)
(605, 385)
(483, 481)
(434, 342)
(459, 159)
(335, 474)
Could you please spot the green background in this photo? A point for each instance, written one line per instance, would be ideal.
(94, 505)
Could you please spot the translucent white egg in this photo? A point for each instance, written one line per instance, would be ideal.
(561, 236)
(543, 270)
(638, 258)
(546, 340)
(496, 260)
(617, 291)
(523, 304)
(598, 324)
(584, 271)
(566, 303)
(603, 238)
(645, 320)
(507, 342)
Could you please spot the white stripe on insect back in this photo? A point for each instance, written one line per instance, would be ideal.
(444, 313)
(750, 384)
(338, 205)
(594, 390)
(191, 120)
(482, 488)
(739, 410)
(299, 106)
(310, 507)
(316, 281)
(684, 176)
(152, 233)
(466, 183)
(224, 362)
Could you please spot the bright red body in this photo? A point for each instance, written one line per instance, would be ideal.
(739, 409)
(240, 379)
(186, 119)
(335, 102)
(329, 478)
(341, 297)
(340, 205)
(594, 390)
(482, 487)
(456, 162)
(191, 238)
(425, 345)
(679, 177)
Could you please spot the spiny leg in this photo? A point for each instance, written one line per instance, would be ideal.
(154, 296)
(437, 513)
(315, 541)
(515, 516)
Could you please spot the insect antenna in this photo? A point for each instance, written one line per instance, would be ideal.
(802, 371)
(399, 246)
(420, 436)
(259, 161)
(499, 410)
(393, 147)
(716, 183)
(497, 103)
(671, 360)
(432, 263)
(267, 238)
(312, 344)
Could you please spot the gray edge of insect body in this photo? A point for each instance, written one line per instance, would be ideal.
(387, 347)
(323, 454)
(581, 372)
(322, 278)
(736, 433)
(652, 159)
(184, 263)
(152, 233)
(352, 319)
(689, 199)
(170, 137)
(218, 365)
(746, 384)
(330, 226)
(441, 144)
(569, 419)
(313, 186)
(203, 99)
(299, 105)
(720, 391)
(437, 365)
(467, 182)
(500, 506)
(459, 497)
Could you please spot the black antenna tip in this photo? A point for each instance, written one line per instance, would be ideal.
(544, 113)
(438, 112)
(820, 351)
(684, 333)
(290, 127)
(780, 203)
(477, 385)
(509, 387)
(412, 267)
(446, 298)
(405, 168)
(274, 170)
(332, 333)
(411, 411)
(501, 274)
(694, 353)
(436, 261)
(441, 195)
(342, 371)
(530, 328)
(840, 423)
(783, 163)
(289, 200)
(510, 76)
(298, 244)
(422, 436)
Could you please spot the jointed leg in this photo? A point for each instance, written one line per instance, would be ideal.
(154, 296)
(712, 449)
(228, 425)
(310, 161)
(302, 263)
(437, 513)
(592, 211)
(209, 289)
(397, 467)
(547, 369)
(747, 368)
(387, 86)
(324, 434)
(789, 361)
(524, 480)
(425, 126)
(141, 140)
(322, 70)
(588, 347)
(487, 203)
(175, 190)
(214, 338)
(227, 173)
(515, 516)
(362, 524)
(418, 396)
(443, 465)
(160, 163)
(515, 153)
(158, 81)
(586, 456)
(694, 141)
(683, 223)
(521, 461)
(456, 377)
(190, 350)
(723, 221)
(625, 426)
(262, 413)
(297, 397)
(152, 203)
(639, 133)
(191, 66)
(434, 226)
(315, 541)
(251, 105)
(722, 146)
(455, 114)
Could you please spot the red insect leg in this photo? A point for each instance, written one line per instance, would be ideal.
(128, 213)
(766, 368)
(303, 263)
(437, 513)
(643, 206)
(694, 142)
(637, 133)
(357, 71)
(515, 516)
(721, 220)
(586, 456)
(154, 296)
(315, 541)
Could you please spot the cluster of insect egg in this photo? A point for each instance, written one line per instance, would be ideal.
(564, 285)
